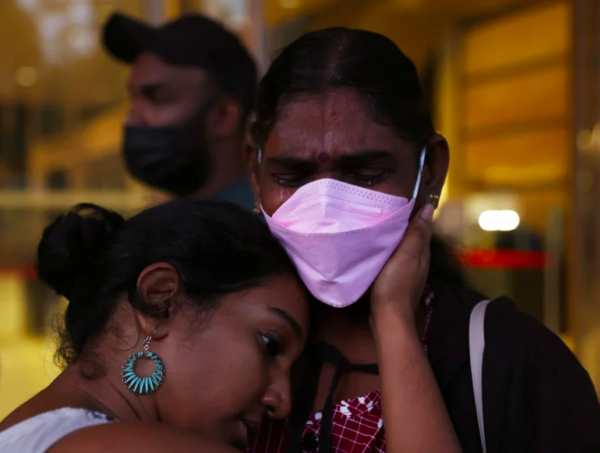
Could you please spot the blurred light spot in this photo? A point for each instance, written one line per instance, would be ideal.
(81, 13)
(499, 220)
(289, 4)
(237, 22)
(65, 33)
(26, 76)
(81, 40)
(27, 5)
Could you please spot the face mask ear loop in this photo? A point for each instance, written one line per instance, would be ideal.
(421, 165)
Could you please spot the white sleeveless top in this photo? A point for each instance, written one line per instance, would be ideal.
(38, 434)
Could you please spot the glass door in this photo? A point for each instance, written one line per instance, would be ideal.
(584, 256)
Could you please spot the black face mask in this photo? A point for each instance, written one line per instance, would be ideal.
(175, 159)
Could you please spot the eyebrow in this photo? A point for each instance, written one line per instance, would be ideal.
(366, 156)
(289, 319)
(362, 156)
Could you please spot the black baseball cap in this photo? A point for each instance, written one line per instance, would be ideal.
(191, 40)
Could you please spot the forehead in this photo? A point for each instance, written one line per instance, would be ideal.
(336, 122)
(149, 68)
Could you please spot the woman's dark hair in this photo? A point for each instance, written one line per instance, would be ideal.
(367, 62)
(91, 256)
(377, 70)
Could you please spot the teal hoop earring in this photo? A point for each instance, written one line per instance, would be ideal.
(146, 385)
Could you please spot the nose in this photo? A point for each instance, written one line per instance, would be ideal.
(328, 169)
(278, 396)
(328, 174)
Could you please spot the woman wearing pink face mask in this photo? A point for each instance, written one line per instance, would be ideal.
(345, 156)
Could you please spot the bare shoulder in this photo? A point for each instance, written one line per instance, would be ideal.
(128, 437)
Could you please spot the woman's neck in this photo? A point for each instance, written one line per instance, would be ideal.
(348, 330)
(99, 387)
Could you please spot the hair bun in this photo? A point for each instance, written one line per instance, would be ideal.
(71, 246)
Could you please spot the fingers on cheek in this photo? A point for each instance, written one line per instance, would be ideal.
(422, 234)
(426, 258)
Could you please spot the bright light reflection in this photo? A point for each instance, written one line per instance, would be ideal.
(499, 220)
(66, 29)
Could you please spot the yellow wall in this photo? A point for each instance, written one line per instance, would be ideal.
(26, 363)
(514, 102)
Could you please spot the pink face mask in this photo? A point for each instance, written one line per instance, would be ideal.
(340, 236)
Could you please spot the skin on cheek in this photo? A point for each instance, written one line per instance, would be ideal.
(276, 200)
(276, 194)
(220, 376)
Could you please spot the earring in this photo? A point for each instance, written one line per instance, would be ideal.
(256, 209)
(146, 385)
(434, 200)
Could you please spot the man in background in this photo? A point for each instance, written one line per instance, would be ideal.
(192, 89)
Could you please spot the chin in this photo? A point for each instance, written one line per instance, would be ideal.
(360, 308)
(237, 433)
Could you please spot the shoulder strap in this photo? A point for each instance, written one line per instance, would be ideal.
(476, 348)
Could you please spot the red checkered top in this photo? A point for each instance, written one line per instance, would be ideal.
(357, 423)
(357, 427)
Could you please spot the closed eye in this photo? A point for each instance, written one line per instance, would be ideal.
(290, 179)
(289, 171)
(369, 176)
(272, 345)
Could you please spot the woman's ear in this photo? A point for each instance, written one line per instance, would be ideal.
(437, 160)
(224, 118)
(159, 287)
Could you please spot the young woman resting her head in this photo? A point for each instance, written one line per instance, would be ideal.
(182, 326)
